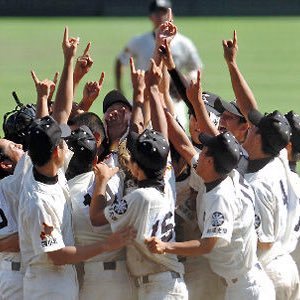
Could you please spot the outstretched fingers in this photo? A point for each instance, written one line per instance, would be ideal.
(87, 49)
(34, 77)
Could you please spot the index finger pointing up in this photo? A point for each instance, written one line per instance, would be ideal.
(132, 65)
(34, 77)
(101, 78)
(87, 49)
(170, 15)
(234, 38)
(66, 35)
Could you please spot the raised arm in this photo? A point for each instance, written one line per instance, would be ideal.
(90, 93)
(137, 122)
(244, 96)
(64, 96)
(152, 78)
(82, 66)
(43, 89)
(194, 93)
(179, 139)
(165, 33)
(177, 77)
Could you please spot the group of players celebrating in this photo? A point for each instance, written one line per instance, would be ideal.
(136, 207)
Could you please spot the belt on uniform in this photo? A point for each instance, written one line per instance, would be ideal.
(109, 265)
(235, 280)
(151, 277)
(10, 265)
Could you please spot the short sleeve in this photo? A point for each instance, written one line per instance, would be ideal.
(218, 219)
(44, 229)
(265, 214)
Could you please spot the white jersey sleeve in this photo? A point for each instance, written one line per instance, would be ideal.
(8, 216)
(151, 214)
(218, 218)
(44, 227)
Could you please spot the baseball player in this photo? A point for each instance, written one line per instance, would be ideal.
(142, 47)
(277, 212)
(293, 150)
(147, 210)
(11, 266)
(105, 275)
(11, 273)
(232, 119)
(45, 229)
(267, 174)
(226, 219)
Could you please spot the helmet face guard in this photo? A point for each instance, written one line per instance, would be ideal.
(16, 123)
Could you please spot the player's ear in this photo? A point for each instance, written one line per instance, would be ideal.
(244, 126)
(97, 136)
(289, 149)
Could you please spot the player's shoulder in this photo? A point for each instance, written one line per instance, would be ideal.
(141, 38)
(81, 180)
(145, 195)
(182, 39)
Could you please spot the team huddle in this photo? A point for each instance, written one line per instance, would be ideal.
(137, 205)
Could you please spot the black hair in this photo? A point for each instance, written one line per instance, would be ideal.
(91, 120)
(38, 156)
(81, 162)
(150, 174)
(217, 166)
(78, 166)
(95, 124)
(266, 146)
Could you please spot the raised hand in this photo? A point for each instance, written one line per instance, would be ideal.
(45, 87)
(230, 48)
(69, 45)
(154, 74)
(83, 64)
(155, 245)
(92, 89)
(52, 88)
(166, 30)
(104, 172)
(166, 55)
(137, 77)
(194, 90)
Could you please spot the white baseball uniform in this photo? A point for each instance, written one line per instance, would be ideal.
(151, 214)
(105, 275)
(11, 275)
(44, 226)
(184, 52)
(11, 269)
(199, 278)
(295, 180)
(224, 212)
(274, 219)
(142, 48)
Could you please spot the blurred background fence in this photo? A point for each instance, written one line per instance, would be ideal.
(139, 7)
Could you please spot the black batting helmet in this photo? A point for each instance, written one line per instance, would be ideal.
(16, 123)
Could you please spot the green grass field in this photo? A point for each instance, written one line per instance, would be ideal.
(269, 54)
